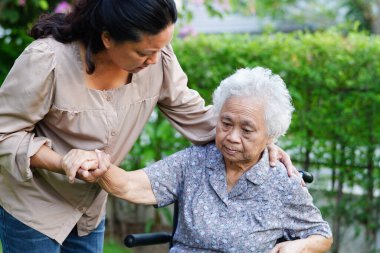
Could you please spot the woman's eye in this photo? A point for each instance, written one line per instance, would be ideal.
(141, 54)
(226, 124)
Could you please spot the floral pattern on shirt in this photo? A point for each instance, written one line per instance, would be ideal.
(264, 205)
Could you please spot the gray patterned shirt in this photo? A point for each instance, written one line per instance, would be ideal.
(263, 206)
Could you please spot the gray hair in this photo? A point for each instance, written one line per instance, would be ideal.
(261, 85)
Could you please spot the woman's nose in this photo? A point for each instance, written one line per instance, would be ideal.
(233, 136)
(152, 59)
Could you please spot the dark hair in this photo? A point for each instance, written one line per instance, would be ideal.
(124, 20)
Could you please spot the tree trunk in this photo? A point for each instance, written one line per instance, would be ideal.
(309, 132)
(375, 19)
(111, 217)
(337, 217)
(371, 222)
(333, 167)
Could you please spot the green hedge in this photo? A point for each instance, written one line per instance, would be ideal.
(333, 79)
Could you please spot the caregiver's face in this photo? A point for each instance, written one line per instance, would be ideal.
(241, 133)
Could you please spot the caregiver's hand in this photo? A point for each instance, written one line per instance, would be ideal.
(88, 173)
(276, 153)
(76, 159)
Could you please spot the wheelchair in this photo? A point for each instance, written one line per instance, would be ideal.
(145, 239)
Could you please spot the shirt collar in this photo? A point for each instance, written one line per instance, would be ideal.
(257, 174)
(214, 158)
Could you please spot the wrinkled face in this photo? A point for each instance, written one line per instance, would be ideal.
(241, 133)
(135, 56)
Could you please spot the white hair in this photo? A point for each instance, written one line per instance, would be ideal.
(259, 84)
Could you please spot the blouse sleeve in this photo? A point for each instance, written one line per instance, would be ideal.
(167, 176)
(302, 217)
(25, 98)
(184, 107)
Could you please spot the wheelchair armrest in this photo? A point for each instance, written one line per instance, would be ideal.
(134, 240)
(306, 176)
(284, 239)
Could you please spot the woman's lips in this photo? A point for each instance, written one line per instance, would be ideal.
(230, 151)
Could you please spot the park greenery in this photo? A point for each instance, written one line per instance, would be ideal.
(367, 12)
(333, 76)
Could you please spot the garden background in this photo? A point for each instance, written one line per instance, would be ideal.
(333, 74)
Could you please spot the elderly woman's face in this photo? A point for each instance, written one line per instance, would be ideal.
(241, 133)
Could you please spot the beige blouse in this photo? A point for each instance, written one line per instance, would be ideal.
(44, 101)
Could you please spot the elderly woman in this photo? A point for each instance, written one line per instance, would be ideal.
(230, 200)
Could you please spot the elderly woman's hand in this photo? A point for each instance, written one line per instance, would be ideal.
(74, 160)
(296, 246)
(311, 244)
(90, 174)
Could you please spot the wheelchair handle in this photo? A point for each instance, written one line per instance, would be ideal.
(134, 240)
(306, 176)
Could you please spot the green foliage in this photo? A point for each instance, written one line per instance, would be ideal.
(158, 140)
(317, 11)
(16, 18)
(22, 13)
(115, 247)
(149, 225)
(219, 8)
(360, 10)
(11, 45)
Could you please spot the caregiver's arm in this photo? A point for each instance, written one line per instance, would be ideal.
(276, 153)
(48, 159)
(69, 164)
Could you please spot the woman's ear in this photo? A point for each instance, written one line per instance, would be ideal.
(106, 39)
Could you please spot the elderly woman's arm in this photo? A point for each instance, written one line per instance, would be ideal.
(156, 184)
(302, 219)
(133, 186)
(311, 244)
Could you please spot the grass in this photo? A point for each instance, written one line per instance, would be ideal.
(115, 247)
(109, 247)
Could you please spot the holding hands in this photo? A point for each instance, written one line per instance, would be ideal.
(85, 165)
